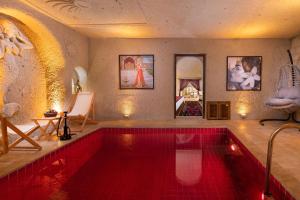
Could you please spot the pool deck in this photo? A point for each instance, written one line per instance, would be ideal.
(286, 159)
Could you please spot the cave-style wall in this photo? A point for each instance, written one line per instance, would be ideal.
(22, 75)
(44, 80)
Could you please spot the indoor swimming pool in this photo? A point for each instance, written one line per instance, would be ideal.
(145, 163)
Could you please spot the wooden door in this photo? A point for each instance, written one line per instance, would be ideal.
(224, 110)
(212, 110)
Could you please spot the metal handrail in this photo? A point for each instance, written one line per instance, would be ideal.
(270, 152)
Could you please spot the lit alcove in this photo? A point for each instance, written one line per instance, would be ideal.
(79, 79)
(30, 63)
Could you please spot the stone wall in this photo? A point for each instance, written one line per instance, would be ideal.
(58, 49)
(159, 103)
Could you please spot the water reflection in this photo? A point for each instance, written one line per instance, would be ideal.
(127, 140)
(188, 166)
(184, 138)
(188, 160)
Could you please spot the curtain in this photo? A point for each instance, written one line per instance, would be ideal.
(194, 82)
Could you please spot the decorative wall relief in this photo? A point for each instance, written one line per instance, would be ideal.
(12, 44)
(70, 5)
(40, 83)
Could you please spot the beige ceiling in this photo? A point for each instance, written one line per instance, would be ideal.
(177, 18)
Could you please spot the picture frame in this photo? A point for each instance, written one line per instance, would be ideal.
(136, 71)
(244, 73)
(179, 77)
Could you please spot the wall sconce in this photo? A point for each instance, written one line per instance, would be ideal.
(243, 111)
(126, 108)
(243, 115)
(126, 116)
(126, 111)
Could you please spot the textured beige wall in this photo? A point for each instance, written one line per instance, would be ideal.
(159, 103)
(73, 49)
(295, 49)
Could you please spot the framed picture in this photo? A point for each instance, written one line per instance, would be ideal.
(244, 73)
(189, 87)
(136, 71)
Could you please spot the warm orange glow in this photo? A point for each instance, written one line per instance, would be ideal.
(244, 104)
(253, 30)
(291, 4)
(129, 31)
(243, 110)
(127, 110)
(57, 107)
(126, 107)
(127, 139)
(123, 31)
(1, 83)
(49, 53)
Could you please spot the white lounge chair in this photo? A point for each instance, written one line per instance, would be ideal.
(82, 107)
(12, 135)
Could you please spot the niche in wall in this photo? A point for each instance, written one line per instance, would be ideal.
(30, 65)
(79, 79)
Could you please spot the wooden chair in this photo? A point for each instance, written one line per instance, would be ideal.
(8, 128)
(81, 108)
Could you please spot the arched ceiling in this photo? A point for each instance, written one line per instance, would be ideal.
(189, 67)
(176, 18)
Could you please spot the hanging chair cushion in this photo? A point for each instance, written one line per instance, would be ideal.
(289, 93)
(279, 102)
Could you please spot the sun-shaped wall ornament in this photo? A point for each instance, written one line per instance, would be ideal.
(70, 5)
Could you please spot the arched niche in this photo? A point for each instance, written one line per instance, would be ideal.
(188, 67)
(50, 58)
(80, 77)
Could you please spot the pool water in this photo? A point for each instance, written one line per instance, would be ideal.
(144, 164)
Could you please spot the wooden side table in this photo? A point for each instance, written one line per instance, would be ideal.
(51, 125)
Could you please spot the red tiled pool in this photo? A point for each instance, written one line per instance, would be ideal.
(144, 164)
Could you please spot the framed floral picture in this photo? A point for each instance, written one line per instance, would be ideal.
(136, 71)
(244, 73)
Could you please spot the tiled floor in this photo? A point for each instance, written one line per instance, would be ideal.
(286, 160)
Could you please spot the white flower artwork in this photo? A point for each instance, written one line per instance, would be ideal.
(244, 73)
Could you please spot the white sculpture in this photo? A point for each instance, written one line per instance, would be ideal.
(12, 44)
(10, 109)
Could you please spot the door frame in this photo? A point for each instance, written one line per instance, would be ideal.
(203, 78)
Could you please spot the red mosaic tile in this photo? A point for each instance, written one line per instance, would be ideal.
(140, 163)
